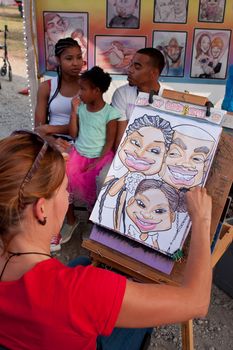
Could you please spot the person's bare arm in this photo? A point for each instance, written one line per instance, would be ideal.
(74, 125)
(41, 113)
(121, 126)
(148, 305)
(110, 137)
(42, 103)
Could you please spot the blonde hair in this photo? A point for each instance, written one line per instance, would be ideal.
(17, 155)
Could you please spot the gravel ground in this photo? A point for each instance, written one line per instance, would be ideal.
(215, 332)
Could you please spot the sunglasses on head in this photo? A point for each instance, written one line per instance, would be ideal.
(35, 165)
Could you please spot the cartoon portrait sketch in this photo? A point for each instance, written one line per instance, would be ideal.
(173, 47)
(210, 54)
(188, 158)
(58, 25)
(173, 11)
(152, 209)
(123, 13)
(158, 159)
(114, 53)
(78, 35)
(211, 10)
(142, 151)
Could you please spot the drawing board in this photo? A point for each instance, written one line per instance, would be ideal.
(159, 158)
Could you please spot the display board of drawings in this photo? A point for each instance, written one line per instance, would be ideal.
(160, 156)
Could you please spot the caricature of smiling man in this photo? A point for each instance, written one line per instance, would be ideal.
(187, 159)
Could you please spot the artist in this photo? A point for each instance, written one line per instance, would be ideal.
(47, 305)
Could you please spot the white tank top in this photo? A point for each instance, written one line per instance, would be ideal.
(60, 107)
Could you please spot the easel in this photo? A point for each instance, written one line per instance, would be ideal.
(218, 185)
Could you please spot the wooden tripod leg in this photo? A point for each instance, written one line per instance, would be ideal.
(187, 335)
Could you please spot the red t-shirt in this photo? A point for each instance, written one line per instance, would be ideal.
(58, 307)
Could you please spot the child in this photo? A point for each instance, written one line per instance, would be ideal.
(93, 122)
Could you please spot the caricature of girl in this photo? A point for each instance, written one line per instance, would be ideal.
(143, 150)
(152, 209)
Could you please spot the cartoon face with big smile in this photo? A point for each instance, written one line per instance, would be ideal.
(143, 150)
(150, 211)
(186, 161)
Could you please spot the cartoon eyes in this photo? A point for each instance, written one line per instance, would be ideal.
(135, 142)
(140, 203)
(156, 211)
(198, 159)
(160, 211)
(174, 153)
(156, 150)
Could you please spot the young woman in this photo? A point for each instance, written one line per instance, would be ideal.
(46, 305)
(54, 97)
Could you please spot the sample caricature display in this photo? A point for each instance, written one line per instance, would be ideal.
(158, 159)
(172, 45)
(174, 11)
(125, 14)
(210, 54)
(114, 53)
(58, 25)
(211, 10)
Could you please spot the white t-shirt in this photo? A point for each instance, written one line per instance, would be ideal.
(124, 99)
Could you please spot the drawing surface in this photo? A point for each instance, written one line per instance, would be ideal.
(159, 158)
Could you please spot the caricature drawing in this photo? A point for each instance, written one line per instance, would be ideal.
(210, 54)
(158, 159)
(125, 17)
(152, 209)
(188, 158)
(211, 10)
(174, 11)
(172, 45)
(142, 150)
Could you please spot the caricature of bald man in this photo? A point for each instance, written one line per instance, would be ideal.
(187, 159)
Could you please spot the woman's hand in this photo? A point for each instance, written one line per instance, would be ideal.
(199, 204)
(43, 130)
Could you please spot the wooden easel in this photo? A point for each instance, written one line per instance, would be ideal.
(218, 185)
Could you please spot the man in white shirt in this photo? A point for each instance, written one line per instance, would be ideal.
(143, 74)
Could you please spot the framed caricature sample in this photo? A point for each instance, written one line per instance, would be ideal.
(210, 53)
(173, 47)
(211, 11)
(114, 53)
(168, 11)
(123, 14)
(58, 25)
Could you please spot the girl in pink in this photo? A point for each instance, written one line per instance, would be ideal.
(93, 123)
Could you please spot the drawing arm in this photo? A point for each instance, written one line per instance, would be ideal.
(161, 304)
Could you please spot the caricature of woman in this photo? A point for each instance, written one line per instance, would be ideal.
(152, 209)
(55, 29)
(118, 55)
(202, 58)
(143, 150)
